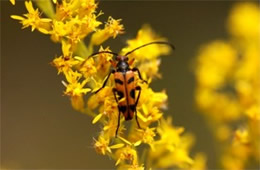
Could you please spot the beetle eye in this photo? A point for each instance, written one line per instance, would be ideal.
(126, 59)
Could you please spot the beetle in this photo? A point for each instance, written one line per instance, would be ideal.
(125, 87)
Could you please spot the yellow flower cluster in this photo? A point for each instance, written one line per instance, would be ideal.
(157, 143)
(228, 87)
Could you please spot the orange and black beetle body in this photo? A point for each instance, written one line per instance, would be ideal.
(125, 85)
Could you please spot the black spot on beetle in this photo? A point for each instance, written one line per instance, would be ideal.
(120, 94)
(130, 80)
(132, 107)
(132, 93)
(122, 109)
(119, 81)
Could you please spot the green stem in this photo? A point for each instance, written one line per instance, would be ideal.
(46, 7)
(82, 50)
(143, 156)
(89, 112)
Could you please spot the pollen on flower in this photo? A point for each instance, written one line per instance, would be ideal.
(101, 145)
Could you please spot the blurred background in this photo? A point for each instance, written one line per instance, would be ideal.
(40, 129)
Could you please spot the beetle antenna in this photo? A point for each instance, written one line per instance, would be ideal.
(155, 42)
(100, 52)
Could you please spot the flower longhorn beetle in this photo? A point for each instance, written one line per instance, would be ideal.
(125, 82)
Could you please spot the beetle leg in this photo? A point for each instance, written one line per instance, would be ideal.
(139, 89)
(139, 74)
(118, 123)
(105, 82)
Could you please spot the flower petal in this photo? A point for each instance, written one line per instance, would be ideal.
(97, 118)
(17, 17)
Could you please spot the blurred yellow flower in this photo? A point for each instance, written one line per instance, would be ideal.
(228, 87)
(171, 149)
(243, 21)
(12, 1)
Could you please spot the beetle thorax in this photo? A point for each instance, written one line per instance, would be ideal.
(122, 66)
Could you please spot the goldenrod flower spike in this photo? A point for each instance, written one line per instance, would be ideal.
(228, 88)
(73, 21)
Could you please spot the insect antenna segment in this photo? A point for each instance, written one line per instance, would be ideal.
(100, 52)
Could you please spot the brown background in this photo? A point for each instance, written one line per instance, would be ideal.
(39, 129)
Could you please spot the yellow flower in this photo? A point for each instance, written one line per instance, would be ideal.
(127, 154)
(150, 69)
(215, 64)
(64, 64)
(75, 88)
(59, 30)
(88, 68)
(101, 145)
(243, 21)
(74, 20)
(112, 29)
(172, 148)
(229, 86)
(103, 62)
(237, 154)
(146, 35)
(242, 136)
(199, 162)
(87, 7)
(99, 99)
(33, 19)
(80, 28)
(254, 113)
(148, 135)
(223, 132)
(132, 167)
(151, 105)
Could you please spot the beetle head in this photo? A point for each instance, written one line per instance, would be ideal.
(121, 58)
